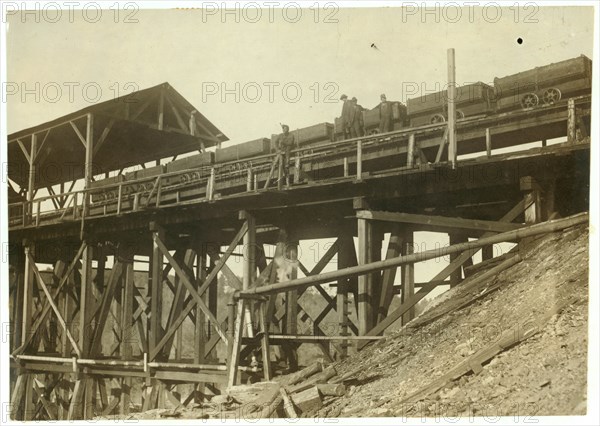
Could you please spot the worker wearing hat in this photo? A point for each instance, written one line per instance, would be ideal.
(357, 125)
(385, 115)
(347, 114)
(285, 143)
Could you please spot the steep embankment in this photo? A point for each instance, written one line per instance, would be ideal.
(512, 345)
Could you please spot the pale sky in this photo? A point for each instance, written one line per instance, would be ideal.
(194, 51)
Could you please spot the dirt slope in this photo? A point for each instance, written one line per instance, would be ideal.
(542, 375)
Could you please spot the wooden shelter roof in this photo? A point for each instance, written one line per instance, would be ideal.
(136, 128)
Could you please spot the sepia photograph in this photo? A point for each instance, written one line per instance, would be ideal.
(299, 212)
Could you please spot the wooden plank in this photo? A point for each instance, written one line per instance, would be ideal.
(308, 400)
(288, 406)
(439, 223)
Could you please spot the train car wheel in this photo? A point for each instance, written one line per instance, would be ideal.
(529, 100)
(551, 96)
(437, 118)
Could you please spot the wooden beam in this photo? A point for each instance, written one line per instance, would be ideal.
(79, 135)
(408, 274)
(190, 287)
(452, 148)
(50, 300)
(442, 275)
(234, 355)
(85, 301)
(389, 275)
(440, 223)
(107, 298)
(24, 150)
(103, 136)
(365, 282)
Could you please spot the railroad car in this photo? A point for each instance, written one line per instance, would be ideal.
(195, 166)
(471, 100)
(243, 150)
(544, 85)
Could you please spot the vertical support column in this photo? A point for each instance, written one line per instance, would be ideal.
(359, 159)
(549, 199)
(201, 332)
(292, 296)
(17, 318)
(532, 191)
(126, 349)
(27, 292)
(32, 177)
(86, 310)
(291, 301)
(156, 289)
(234, 354)
(200, 335)
(249, 264)
(26, 326)
(365, 282)
(67, 308)
(488, 142)
(89, 149)
(410, 154)
(451, 108)
(408, 274)
(344, 260)
(571, 122)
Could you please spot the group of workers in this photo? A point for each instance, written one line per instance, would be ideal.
(353, 125)
(352, 121)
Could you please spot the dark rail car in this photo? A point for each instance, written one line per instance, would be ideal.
(471, 100)
(544, 85)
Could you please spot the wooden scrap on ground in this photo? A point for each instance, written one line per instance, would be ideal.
(331, 389)
(304, 373)
(320, 378)
(288, 406)
(308, 400)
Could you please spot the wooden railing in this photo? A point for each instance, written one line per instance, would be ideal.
(243, 175)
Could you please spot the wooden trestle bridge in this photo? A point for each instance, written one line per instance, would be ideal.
(87, 340)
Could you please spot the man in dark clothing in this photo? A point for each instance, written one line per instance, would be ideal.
(285, 143)
(385, 115)
(347, 114)
(357, 126)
